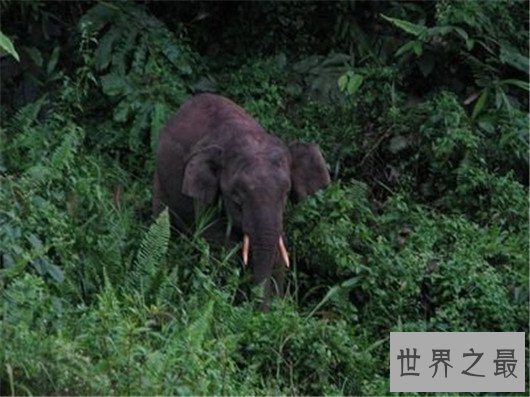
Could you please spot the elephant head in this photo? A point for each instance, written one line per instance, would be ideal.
(255, 177)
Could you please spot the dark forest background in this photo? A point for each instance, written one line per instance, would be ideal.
(421, 110)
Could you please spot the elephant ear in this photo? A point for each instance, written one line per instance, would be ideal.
(201, 175)
(309, 172)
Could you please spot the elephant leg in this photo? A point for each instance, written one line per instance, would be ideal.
(168, 185)
(178, 215)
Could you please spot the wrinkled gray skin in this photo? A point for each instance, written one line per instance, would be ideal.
(212, 147)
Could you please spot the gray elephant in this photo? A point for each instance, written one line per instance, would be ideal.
(212, 147)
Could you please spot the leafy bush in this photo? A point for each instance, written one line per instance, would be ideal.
(143, 67)
(496, 58)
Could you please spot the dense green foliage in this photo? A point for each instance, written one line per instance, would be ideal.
(421, 110)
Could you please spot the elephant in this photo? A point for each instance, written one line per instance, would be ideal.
(212, 148)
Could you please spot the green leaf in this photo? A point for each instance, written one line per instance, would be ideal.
(346, 285)
(158, 118)
(414, 46)
(99, 16)
(479, 105)
(418, 48)
(113, 84)
(343, 80)
(139, 126)
(330, 294)
(470, 43)
(426, 64)
(486, 47)
(506, 101)
(354, 83)
(350, 283)
(7, 45)
(34, 54)
(461, 32)
(440, 30)
(511, 56)
(398, 143)
(52, 63)
(36, 243)
(517, 83)
(409, 27)
(103, 52)
(55, 272)
(122, 111)
(498, 97)
(350, 82)
(487, 126)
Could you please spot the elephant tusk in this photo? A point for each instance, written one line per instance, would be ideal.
(283, 252)
(246, 246)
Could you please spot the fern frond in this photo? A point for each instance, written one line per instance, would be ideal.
(199, 328)
(25, 117)
(146, 271)
(64, 154)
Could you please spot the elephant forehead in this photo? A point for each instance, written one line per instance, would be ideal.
(263, 158)
(260, 176)
(265, 164)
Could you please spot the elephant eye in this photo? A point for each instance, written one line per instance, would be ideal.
(238, 207)
(236, 198)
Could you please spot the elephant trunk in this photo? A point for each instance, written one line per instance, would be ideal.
(264, 250)
(264, 246)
